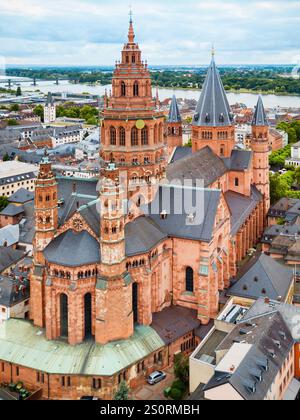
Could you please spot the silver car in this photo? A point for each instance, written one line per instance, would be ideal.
(156, 377)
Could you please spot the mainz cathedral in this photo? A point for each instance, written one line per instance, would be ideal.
(114, 263)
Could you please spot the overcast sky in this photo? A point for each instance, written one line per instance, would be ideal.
(91, 32)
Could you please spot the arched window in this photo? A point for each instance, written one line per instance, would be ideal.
(155, 134)
(122, 136)
(236, 182)
(113, 136)
(134, 137)
(145, 136)
(64, 321)
(136, 89)
(123, 89)
(133, 59)
(88, 315)
(189, 280)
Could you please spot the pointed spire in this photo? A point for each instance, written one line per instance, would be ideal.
(260, 117)
(174, 113)
(50, 100)
(213, 107)
(131, 34)
(157, 98)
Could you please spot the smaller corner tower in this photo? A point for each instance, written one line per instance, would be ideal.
(46, 223)
(260, 148)
(174, 126)
(49, 110)
(114, 313)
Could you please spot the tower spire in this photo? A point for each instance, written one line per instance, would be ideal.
(131, 34)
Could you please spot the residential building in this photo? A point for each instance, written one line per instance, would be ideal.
(15, 175)
(295, 155)
(255, 361)
(49, 110)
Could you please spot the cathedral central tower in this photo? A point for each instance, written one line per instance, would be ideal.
(132, 127)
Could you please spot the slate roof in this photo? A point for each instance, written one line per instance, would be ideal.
(50, 100)
(263, 338)
(260, 117)
(290, 314)
(263, 273)
(21, 196)
(241, 207)
(240, 160)
(9, 235)
(174, 113)
(12, 210)
(178, 200)
(181, 153)
(142, 235)
(174, 322)
(213, 108)
(202, 165)
(72, 249)
(13, 291)
(8, 257)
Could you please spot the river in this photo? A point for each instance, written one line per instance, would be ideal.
(249, 99)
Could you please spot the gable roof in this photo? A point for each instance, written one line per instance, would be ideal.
(175, 202)
(12, 210)
(213, 108)
(204, 164)
(9, 235)
(8, 257)
(21, 196)
(263, 273)
(13, 291)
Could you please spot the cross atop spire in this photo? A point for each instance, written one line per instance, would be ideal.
(131, 34)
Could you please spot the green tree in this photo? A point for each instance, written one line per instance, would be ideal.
(123, 393)
(12, 122)
(14, 108)
(181, 367)
(3, 203)
(39, 111)
(19, 91)
(6, 157)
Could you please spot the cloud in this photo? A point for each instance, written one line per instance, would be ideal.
(92, 32)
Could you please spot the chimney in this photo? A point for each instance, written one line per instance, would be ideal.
(267, 301)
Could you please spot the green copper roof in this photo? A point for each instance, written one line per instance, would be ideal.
(23, 344)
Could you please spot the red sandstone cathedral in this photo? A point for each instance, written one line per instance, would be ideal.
(99, 282)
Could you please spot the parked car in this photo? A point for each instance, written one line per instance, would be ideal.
(156, 377)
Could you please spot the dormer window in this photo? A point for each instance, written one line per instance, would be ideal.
(222, 119)
(207, 118)
(164, 215)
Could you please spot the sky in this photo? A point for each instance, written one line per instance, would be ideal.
(170, 32)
